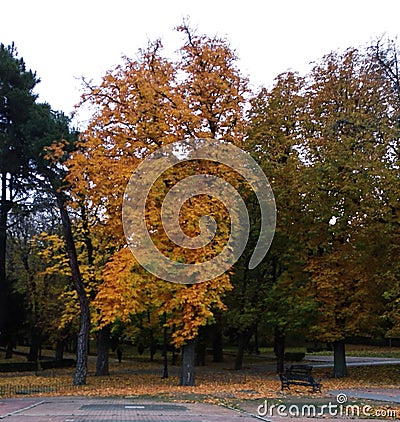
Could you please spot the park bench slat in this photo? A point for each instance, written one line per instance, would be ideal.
(299, 375)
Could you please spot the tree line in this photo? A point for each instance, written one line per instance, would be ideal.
(327, 141)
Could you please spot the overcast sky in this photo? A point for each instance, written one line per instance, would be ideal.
(64, 41)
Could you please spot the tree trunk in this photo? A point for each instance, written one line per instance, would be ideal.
(82, 349)
(59, 355)
(119, 353)
(279, 350)
(34, 349)
(339, 359)
(165, 363)
(9, 349)
(201, 347)
(4, 209)
(103, 345)
(244, 339)
(174, 357)
(153, 346)
(83, 335)
(188, 357)
(70, 345)
(218, 352)
(165, 348)
(256, 348)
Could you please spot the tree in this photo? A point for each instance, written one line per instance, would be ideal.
(24, 269)
(325, 142)
(275, 139)
(54, 143)
(26, 129)
(348, 134)
(53, 288)
(141, 106)
(386, 53)
(16, 104)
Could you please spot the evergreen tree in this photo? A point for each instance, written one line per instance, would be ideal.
(17, 101)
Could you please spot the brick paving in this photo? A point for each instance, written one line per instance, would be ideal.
(76, 409)
(86, 409)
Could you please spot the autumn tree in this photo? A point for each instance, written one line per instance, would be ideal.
(119, 119)
(23, 269)
(27, 128)
(142, 106)
(275, 140)
(386, 53)
(53, 142)
(348, 132)
(325, 142)
(51, 248)
(38, 266)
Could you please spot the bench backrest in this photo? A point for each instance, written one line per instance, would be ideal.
(299, 370)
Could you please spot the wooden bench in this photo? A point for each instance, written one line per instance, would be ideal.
(299, 375)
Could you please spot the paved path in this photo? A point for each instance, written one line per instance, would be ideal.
(327, 361)
(390, 395)
(86, 409)
(78, 409)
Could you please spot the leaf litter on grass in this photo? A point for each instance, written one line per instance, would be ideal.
(144, 379)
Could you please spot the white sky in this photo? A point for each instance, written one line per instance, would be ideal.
(64, 41)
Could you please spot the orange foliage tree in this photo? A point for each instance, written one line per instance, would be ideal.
(139, 107)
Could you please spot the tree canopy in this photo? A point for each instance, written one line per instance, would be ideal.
(328, 141)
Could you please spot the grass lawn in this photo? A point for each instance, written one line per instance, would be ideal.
(137, 376)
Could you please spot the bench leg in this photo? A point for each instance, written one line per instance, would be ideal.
(316, 388)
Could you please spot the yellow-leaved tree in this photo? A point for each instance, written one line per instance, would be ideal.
(139, 107)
